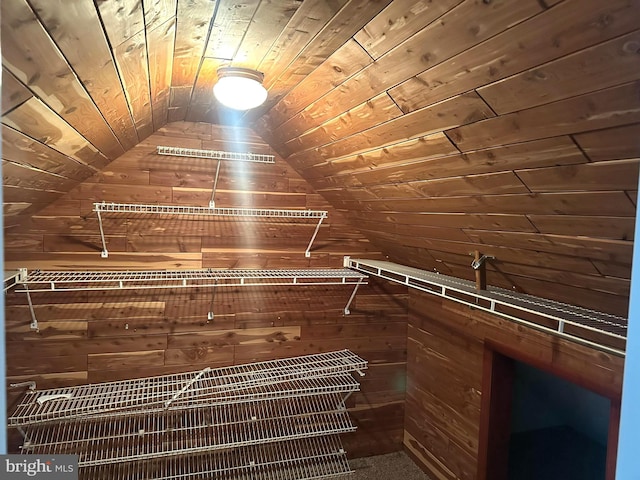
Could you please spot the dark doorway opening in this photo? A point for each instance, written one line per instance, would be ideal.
(536, 425)
(558, 429)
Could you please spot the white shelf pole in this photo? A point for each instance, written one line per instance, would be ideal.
(212, 202)
(104, 253)
(34, 320)
(353, 294)
(307, 252)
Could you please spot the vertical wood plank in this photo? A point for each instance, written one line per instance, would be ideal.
(31, 55)
(78, 23)
(192, 27)
(160, 41)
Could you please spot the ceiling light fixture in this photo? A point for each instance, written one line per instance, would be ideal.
(240, 88)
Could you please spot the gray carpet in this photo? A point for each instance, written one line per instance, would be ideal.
(392, 466)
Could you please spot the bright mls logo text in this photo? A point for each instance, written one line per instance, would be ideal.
(30, 466)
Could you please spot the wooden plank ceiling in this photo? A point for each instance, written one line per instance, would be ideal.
(438, 127)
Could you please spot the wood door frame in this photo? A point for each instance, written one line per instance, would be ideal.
(498, 375)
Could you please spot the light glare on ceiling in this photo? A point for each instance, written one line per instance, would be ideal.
(240, 88)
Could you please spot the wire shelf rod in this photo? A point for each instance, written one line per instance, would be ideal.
(215, 154)
(104, 207)
(492, 298)
(317, 372)
(101, 429)
(306, 388)
(111, 207)
(314, 457)
(127, 440)
(63, 281)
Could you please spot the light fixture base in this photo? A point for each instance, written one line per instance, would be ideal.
(240, 88)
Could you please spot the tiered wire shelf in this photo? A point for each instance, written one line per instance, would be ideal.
(595, 329)
(134, 208)
(276, 419)
(67, 280)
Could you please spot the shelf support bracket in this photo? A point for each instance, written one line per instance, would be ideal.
(343, 403)
(30, 384)
(211, 313)
(34, 320)
(307, 252)
(105, 252)
(186, 387)
(353, 294)
(212, 202)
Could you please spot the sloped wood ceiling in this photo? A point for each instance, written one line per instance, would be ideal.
(438, 127)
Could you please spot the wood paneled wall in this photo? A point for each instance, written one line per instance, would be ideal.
(445, 355)
(88, 337)
(507, 127)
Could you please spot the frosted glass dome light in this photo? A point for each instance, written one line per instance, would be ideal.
(240, 88)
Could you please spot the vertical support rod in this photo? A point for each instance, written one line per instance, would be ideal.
(34, 320)
(307, 252)
(353, 294)
(343, 403)
(104, 253)
(481, 272)
(212, 202)
(211, 313)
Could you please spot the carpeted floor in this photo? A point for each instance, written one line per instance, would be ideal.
(393, 466)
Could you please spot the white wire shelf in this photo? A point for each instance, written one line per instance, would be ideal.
(216, 154)
(131, 208)
(273, 420)
(104, 207)
(515, 306)
(67, 280)
(141, 437)
(300, 459)
(282, 378)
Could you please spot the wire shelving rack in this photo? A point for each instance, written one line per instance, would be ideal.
(300, 459)
(133, 208)
(595, 329)
(216, 154)
(70, 280)
(67, 280)
(276, 419)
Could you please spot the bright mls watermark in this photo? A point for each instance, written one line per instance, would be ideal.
(50, 467)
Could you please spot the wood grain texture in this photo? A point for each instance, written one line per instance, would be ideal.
(568, 28)
(603, 109)
(14, 92)
(38, 63)
(501, 111)
(68, 25)
(428, 130)
(606, 65)
(160, 42)
(36, 120)
(398, 22)
(445, 357)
